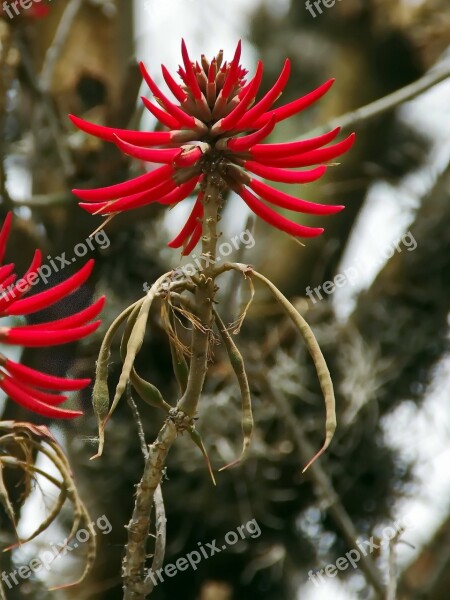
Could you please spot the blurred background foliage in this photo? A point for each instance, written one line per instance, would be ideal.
(387, 355)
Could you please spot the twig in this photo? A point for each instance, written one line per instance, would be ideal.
(382, 105)
(133, 566)
(45, 201)
(322, 483)
(160, 513)
(45, 79)
(58, 134)
(137, 418)
(391, 591)
(56, 47)
(160, 542)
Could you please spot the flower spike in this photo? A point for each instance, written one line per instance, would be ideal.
(25, 385)
(216, 122)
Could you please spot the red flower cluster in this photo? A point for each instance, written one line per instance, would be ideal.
(23, 384)
(216, 124)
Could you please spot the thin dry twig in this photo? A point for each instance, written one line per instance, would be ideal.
(391, 591)
(387, 103)
(160, 513)
(321, 481)
(138, 421)
(133, 568)
(30, 439)
(160, 542)
(57, 46)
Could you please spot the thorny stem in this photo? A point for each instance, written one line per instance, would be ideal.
(204, 297)
(133, 568)
(136, 585)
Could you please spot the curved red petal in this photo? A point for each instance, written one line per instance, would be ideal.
(246, 142)
(45, 397)
(129, 202)
(75, 320)
(267, 214)
(140, 138)
(290, 202)
(188, 158)
(288, 110)
(173, 86)
(39, 338)
(195, 237)
(11, 297)
(157, 155)
(233, 72)
(231, 121)
(276, 151)
(175, 111)
(189, 74)
(42, 380)
(7, 283)
(138, 184)
(51, 296)
(5, 272)
(4, 233)
(30, 403)
(314, 157)
(161, 115)
(283, 176)
(190, 225)
(181, 192)
(267, 101)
